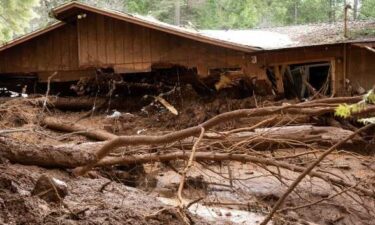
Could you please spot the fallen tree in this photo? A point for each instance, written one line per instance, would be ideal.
(71, 156)
(311, 109)
(74, 155)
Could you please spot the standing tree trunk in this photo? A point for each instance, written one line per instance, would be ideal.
(332, 11)
(355, 9)
(296, 12)
(177, 13)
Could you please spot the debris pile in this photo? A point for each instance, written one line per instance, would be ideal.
(183, 159)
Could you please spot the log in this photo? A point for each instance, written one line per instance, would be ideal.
(63, 156)
(72, 156)
(96, 134)
(75, 104)
(211, 156)
(87, 103)
(311, 109)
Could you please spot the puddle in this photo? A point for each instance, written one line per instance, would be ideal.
(218, 214)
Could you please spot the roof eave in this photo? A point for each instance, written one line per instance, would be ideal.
(61, 13)
(31, 35)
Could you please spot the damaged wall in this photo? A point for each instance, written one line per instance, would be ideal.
(332, 54)
(108, 42)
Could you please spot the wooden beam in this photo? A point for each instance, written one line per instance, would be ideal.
(279, 79)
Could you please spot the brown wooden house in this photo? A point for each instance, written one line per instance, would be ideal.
(87, 38)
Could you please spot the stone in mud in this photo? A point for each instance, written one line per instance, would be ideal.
(50, 189)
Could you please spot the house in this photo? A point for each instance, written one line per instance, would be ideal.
(320, 51)
(87, 38)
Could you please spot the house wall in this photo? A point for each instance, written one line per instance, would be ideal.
(328, 53)
(56, 50)
(108, 42)
(361, 67)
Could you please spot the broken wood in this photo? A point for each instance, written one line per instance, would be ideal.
(308, 170)
(212, 156)
(96, 134)
(192, 131)
(73, 155)
(63, 156)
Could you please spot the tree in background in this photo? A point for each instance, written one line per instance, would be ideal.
(15, 16)
(201, 14)
(228, 14)
(368, 9)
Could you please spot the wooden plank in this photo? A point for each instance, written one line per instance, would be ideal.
(59, 43)
(64, 42)
(34, 56)
(73, 42)
(155, 46)
(279, 79)
(137, 44)
(92, 51)
(83, 42)
(22, 60)
(102, 57)
(110, 41)
(40, 52)
(49, 52)
(146, 48)
(119, 43)
(128, 43)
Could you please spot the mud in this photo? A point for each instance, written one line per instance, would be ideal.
(135, 195)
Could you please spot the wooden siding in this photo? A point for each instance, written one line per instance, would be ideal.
(56, 50)
(361, 67)
(108, 42)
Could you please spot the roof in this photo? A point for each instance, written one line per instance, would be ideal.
(31, 35)
(298, 35)
(68, 10)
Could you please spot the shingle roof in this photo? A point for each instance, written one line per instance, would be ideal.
(299, 35)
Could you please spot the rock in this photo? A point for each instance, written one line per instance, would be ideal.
(46, 188)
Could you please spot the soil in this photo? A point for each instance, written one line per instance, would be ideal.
(106, 196)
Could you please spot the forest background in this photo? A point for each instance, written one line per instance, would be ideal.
(20, 16)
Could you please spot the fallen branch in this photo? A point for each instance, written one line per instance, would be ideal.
(73, 155)
(192, 131)
(186, 170)
(307, 171)
(65, 126)
(211, 156)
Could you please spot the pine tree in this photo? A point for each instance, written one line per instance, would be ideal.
(15, 16)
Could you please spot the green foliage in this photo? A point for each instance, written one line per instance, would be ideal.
(15, 16)
(346, 111)
(343, 110)
(228, 14)
(368, 9)
(370, 97)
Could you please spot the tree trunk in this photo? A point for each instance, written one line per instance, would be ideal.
(355, 10)
(70, 127)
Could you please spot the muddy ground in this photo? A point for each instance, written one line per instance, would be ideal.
(226, 193)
